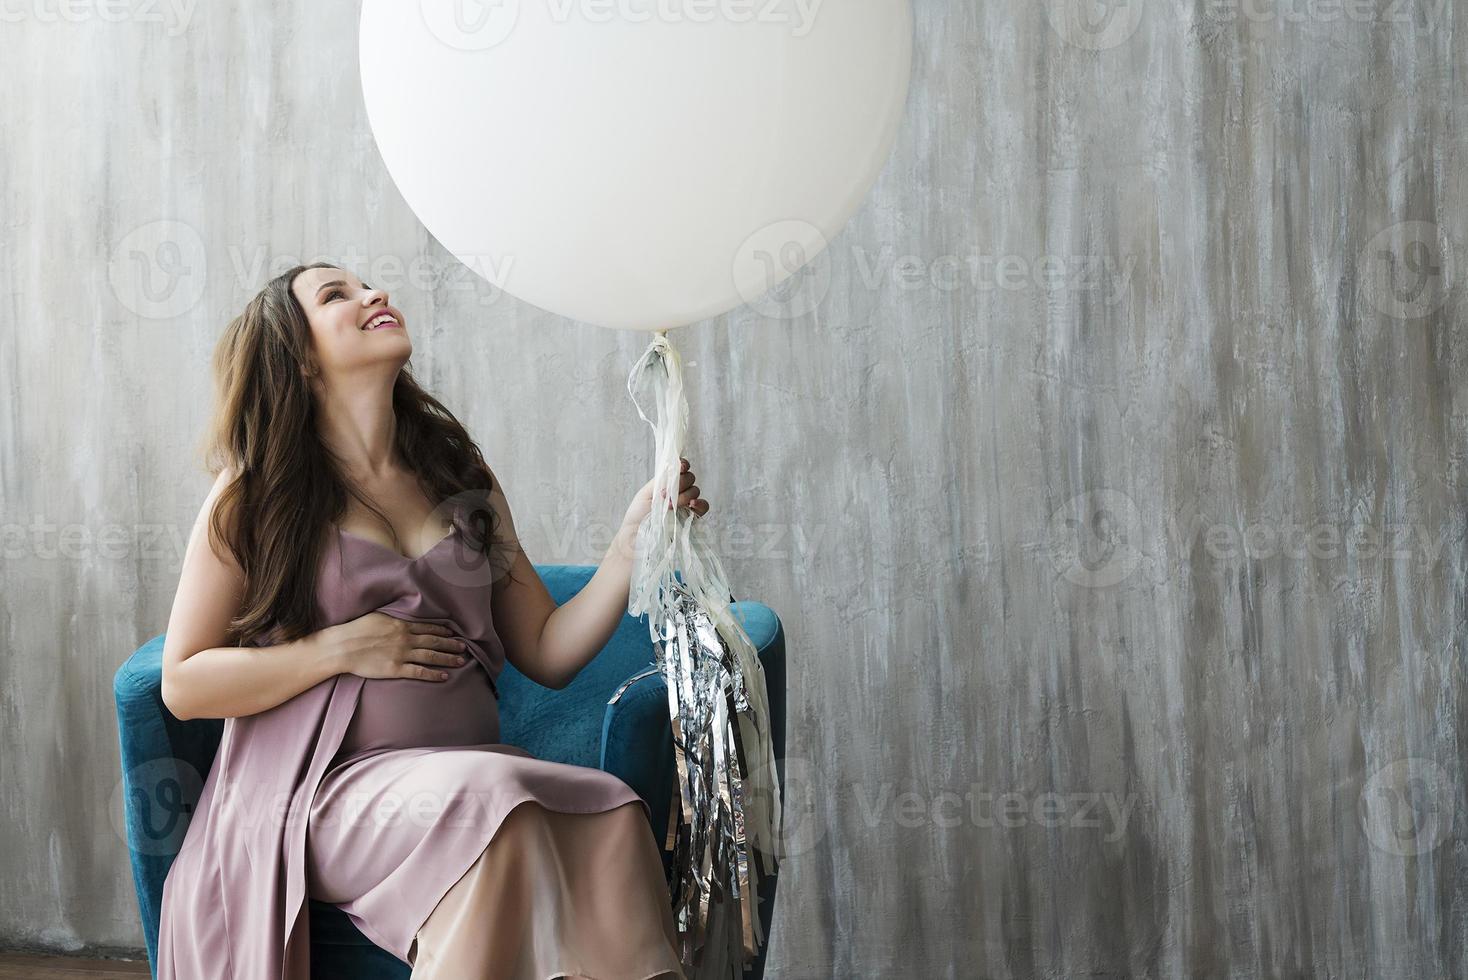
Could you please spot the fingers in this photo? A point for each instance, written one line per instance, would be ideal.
(422, 673)
(437, 657)
(426, 664)
(450, 643)
(433, 636)
(688, 490)
(433, 646)
(689, 496)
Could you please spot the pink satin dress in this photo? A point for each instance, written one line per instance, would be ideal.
(463, 856)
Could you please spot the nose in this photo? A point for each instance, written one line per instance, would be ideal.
(376, 296)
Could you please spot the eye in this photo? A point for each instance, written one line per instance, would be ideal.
(335, 292)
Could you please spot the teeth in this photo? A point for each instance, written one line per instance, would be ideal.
(377, 320)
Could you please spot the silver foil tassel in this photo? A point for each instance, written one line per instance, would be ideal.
(726, 800)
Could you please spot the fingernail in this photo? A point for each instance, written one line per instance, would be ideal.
(443, 675)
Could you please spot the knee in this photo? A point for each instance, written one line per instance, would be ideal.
(630, 814)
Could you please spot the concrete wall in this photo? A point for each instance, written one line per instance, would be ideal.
(1125, 448)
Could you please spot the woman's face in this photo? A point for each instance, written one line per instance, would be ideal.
(352, 325)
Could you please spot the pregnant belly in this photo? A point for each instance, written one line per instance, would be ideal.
(406, 713)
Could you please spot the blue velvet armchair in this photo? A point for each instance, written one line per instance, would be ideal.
(165, 760)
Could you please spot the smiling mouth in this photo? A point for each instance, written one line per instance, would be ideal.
(381, 320)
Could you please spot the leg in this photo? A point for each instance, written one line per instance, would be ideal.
(573, 894)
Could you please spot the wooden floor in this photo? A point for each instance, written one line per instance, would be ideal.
(15, 966)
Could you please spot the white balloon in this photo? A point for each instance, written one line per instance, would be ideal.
(639, 164)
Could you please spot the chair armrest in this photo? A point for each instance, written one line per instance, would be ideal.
(637, 745)
(165, 762)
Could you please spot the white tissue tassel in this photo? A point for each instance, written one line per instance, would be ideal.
(726, 795)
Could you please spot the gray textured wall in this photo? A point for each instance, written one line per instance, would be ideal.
(1112, 493)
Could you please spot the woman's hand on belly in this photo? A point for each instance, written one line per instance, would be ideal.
(379, 645)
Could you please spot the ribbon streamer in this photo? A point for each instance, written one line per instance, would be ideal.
(726, 795)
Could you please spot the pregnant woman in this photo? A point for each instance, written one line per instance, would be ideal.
(352, 589)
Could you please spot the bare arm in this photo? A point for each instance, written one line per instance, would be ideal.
(578, 629)
(548, 643)
(551, 644)
(520, 603)
(201, 677)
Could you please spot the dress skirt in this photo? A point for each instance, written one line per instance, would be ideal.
(556, 895)
(483, 861)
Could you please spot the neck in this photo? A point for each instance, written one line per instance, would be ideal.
(360, 427)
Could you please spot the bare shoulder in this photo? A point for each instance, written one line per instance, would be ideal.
(210, 510)
(511, 566)
(520, 602)
(505, 534)
(210, 588)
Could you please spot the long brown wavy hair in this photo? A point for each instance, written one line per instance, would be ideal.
(288, 488)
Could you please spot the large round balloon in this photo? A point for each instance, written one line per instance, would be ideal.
(639, 164)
